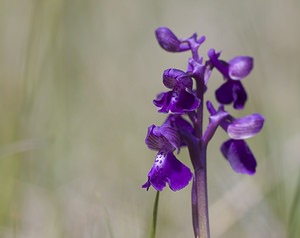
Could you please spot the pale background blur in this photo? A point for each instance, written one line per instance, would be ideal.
(77, 80)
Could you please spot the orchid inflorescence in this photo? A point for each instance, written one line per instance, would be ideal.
(184, 104)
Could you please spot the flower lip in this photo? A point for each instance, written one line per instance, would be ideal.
(239, 156)
(245, 127)
(168, 169)
(232, 91)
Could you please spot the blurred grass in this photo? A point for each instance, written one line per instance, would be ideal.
(76, 83)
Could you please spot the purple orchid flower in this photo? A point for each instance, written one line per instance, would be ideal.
(232, 91)
(167, 168)
(235, 150)
(181, 99)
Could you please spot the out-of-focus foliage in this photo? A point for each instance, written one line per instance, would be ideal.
(77, 79)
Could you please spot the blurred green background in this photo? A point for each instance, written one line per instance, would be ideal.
(77, 79)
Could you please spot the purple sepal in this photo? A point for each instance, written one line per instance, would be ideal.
(239, 156)
(163, 138)
(180, 124)
(168, 40)
(245, 127)
(175, 77)
(177, 101)
(168, 169)
(232, 92)
(240, 67)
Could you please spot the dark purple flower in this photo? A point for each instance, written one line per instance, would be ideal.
(232, 91)
(239, 156)
(181, 99)
(168, 169)
(236, 150)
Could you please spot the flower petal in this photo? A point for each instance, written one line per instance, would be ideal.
(239, 156)
(240, 67)
(245, 127)
(168, 169)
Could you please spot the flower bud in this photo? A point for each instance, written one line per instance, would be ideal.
(168, 41)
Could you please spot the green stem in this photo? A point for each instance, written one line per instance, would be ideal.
(154, 217)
